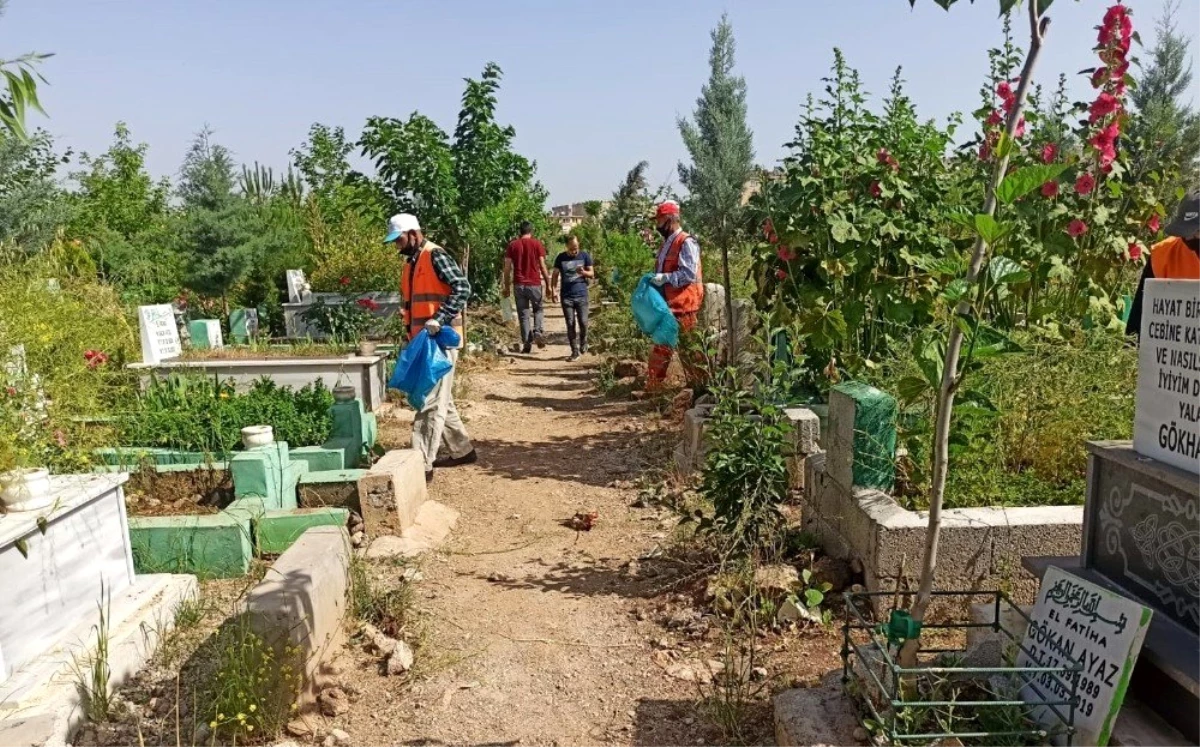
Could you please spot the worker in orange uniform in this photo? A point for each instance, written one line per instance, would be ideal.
(679, 274)
(1174, 258)
(435, 293)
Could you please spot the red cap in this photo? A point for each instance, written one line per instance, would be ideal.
(670, 207)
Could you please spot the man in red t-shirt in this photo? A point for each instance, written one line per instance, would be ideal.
(525, 260)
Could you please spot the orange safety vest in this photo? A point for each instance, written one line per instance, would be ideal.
(1173, 259)
(424, 292)
(688, 299)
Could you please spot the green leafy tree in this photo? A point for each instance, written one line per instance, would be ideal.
(632, 203)
(116, 191)
(721, 147)
(444, 181)
(123, 219)
(1165, 133)
(19, 94)
(33, 207)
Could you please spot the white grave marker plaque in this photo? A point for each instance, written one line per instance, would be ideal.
(160, 336)
(298, 288)
(1166, 425)
(1099, 628)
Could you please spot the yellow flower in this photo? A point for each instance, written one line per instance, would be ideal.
(212, 724)
(241, 717)
(220, 717)
(250, 727)
(253, 707)
(224, 395)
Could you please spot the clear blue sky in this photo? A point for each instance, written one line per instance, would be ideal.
(591, 86)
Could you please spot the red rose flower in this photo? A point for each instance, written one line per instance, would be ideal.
(368, 304)
(1153, 224)
(1076, 228)
(1050, 189)
(344, 281)
(875, 190)
(1085, 184)
(1135, 251)
(1049, 152)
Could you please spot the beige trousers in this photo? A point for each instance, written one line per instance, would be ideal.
(438, 425)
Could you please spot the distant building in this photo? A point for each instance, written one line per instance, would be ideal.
(754, 184)
(569, 216)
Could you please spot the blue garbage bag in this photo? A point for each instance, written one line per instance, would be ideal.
(653, 316)
(421, 365)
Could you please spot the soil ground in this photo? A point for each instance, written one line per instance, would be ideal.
(200, 491)
(536, 633)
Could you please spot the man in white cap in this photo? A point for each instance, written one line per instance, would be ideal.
(435, 293)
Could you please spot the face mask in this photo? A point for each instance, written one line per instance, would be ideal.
(665, 230)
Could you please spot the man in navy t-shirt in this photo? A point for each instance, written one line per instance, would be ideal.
(575, 269)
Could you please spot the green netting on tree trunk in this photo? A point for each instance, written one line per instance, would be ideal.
(874, 435)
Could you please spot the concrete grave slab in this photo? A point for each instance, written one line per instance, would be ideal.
(303, 599)
(392, 492)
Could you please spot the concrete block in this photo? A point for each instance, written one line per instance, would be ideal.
(210, 546)
(275, 531)
(806, 429)
(248, 508)
(302, 601)
(292, 472)
(392, 491)
(873, 414)
(840, 447)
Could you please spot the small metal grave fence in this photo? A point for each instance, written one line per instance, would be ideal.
(1055, 687)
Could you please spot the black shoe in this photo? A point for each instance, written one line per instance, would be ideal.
(574, 356)
(539, 339)
(428, 476)
(470, 458)
(527, 349)
(583, 349)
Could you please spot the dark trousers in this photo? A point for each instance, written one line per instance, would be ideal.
(575, 309)
(529, 311)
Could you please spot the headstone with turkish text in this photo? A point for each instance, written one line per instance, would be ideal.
(1074, 620)
(160, 336)
(1166, 425)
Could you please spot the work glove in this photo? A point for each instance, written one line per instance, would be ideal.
(659, 279)
(433, 326)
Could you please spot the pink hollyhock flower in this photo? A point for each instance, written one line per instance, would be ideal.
(772, 238)
(780, 274)
(785, 254)
(1135, 251)
(1104, 105)
(985, 151)
(1050, 189)
(995, 118)
(1099, 77)
(1153, 224)
(1076, 228)
(875, 190)
(368, 304)
(1085, 184)
(768, 227)
(1019, 131)
(1049, 152)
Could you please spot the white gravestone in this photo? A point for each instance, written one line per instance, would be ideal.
(1166, 425)
(160, 336)
(1091, 625)
(212, 332)
(299, 291)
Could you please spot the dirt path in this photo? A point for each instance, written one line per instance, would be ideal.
(539, 634)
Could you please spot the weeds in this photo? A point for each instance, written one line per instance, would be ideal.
(254, 689)
(386, 607)
(93, 672)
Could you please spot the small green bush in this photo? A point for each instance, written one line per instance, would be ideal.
(199, 414)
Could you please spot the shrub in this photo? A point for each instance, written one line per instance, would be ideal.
(251, 694)
(199, 414)
(75, 342)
